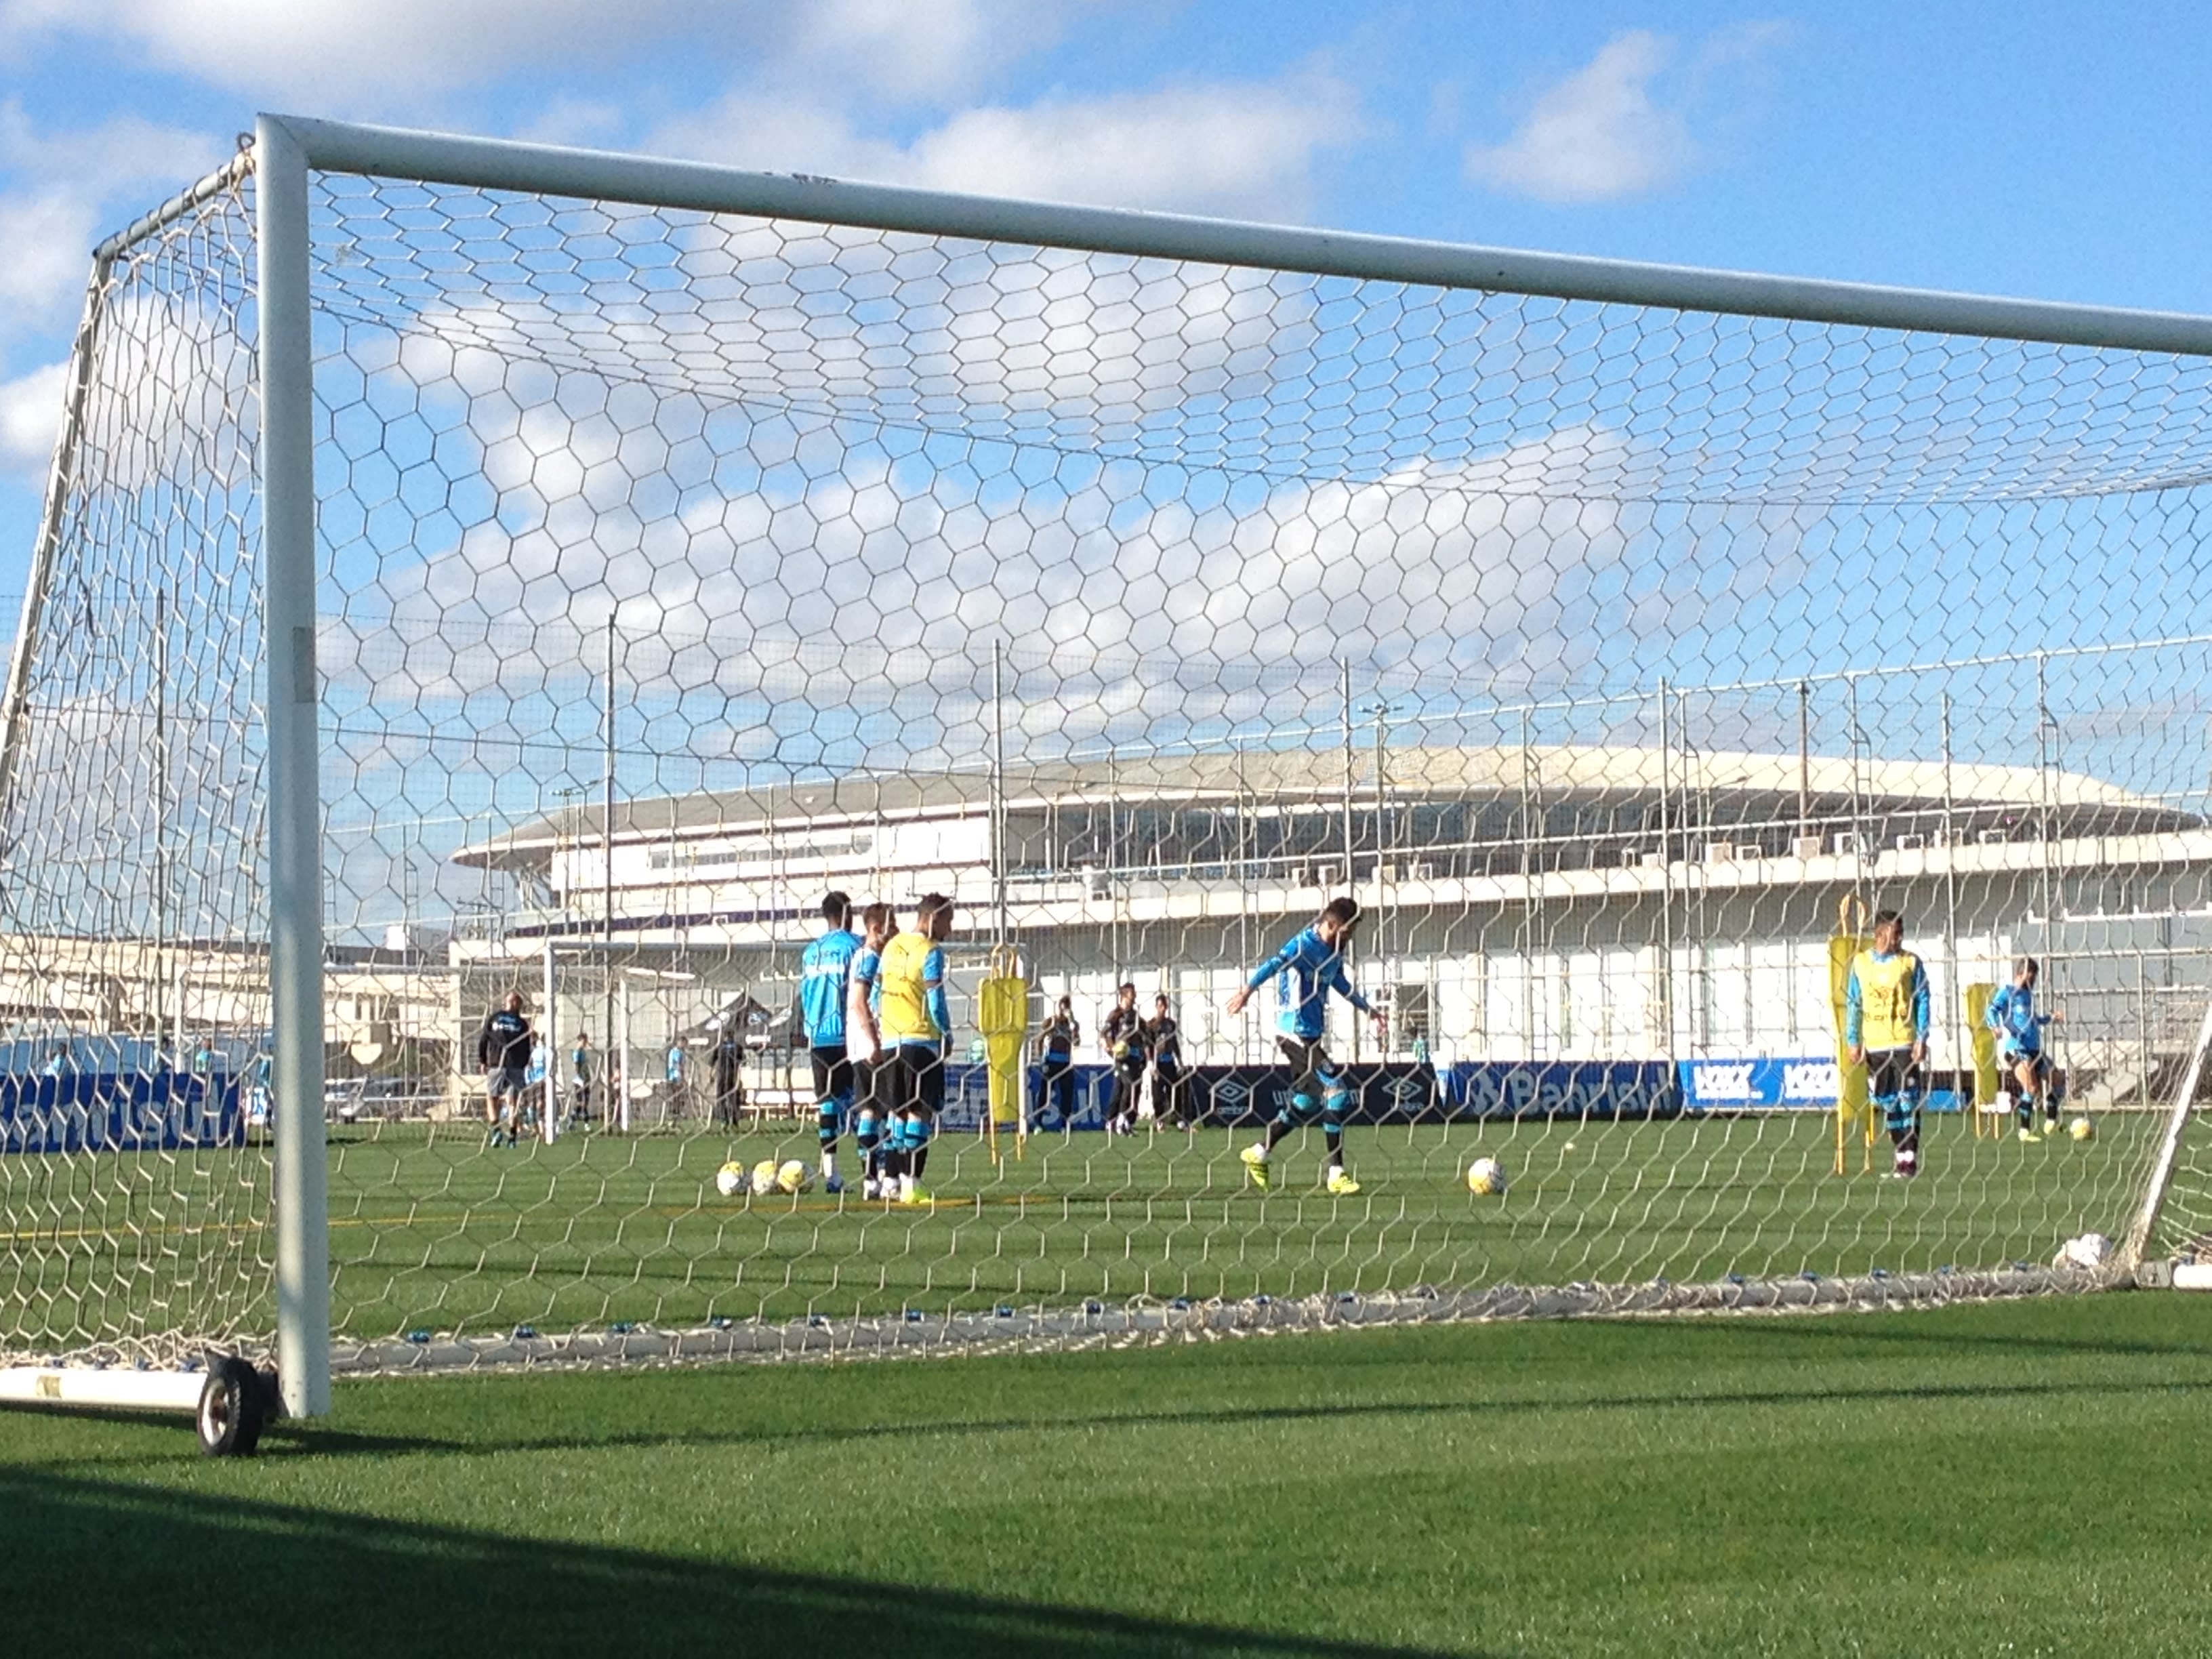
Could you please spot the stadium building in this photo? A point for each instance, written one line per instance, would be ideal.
(1524, 903)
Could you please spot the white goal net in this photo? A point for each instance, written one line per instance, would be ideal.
(689, 546)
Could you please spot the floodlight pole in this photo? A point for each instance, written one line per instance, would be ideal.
(295, 852)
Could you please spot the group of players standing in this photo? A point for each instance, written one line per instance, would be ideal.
(1133, 1045)
(879, 1026)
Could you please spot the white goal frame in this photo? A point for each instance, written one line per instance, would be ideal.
(286, 150)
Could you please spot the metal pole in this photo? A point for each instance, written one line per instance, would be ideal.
(998, 790)
(1666, 984)
(61, 481)
(552, 1030)
(1961, 1058)
(295, 852)
(504, 165)
(1804, 760)
(164, 1009)
(2045, 743)
(1351, 878)
(1344, 671)
(1528, 898)
(607, 871)
(618, 1074)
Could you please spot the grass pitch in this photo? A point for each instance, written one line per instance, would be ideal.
(440, 1234)
(2019, 1479)
(431, 1230)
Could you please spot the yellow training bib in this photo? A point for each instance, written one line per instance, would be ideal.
(904, 978)
(1885, 998)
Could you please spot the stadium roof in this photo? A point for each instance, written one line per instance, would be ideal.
(1280, 779)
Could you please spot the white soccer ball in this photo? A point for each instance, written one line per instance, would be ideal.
(793, 1177)
(2090, 1250)
(1485, 1177)
(764, 1177)
(2081, 1129)
(732, 1181)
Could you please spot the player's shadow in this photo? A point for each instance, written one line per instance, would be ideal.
(104, 1567)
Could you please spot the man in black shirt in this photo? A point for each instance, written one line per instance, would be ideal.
(729, 1082)
(1121, 1034)
(1163, 1037)
(503, 1051)
(1056, 1051)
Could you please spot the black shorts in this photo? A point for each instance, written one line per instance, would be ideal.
(833, 1075)
(1892, 1073)
(915, 1080)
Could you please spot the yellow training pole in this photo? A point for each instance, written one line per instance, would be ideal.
(1850, 1080)
(1003, 1012)
(1985, 1055)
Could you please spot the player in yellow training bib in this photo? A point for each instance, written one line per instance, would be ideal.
(1886, 1025)
(916, 1019)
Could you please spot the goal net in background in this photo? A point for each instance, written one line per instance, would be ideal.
(689, 544)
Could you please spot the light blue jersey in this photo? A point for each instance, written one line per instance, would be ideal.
(825, 972)
(1310, 970)
(2012, 1016)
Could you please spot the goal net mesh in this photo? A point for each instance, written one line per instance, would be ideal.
(677, 569)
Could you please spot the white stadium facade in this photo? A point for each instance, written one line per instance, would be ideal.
(1524, 904)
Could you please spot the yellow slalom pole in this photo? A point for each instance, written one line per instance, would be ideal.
(1003, 1012)
(1985, 1055)
(1850, 1080)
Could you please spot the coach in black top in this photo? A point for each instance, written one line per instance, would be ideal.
(1056, 1081)
(1163, 1037)
(503, 1051)
(1121, 1034)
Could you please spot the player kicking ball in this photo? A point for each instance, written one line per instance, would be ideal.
(1310, 967)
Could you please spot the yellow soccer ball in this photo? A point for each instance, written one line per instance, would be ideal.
(764, 1177)
(793, 1177)
(2081, 1129)
(1485, 1177)
(732, 1181)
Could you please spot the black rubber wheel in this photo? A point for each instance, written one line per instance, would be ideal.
(233, 1407)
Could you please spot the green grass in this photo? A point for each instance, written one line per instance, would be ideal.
(2019, 1479)
(432, 1230)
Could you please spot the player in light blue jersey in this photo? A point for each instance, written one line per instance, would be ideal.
(2019, 1030)
(1307, 968)
(824, 980)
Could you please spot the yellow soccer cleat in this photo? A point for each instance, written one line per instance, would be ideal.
(1256, 1165)
(1340, 1184)
(2029, 1138)
(917, 1199)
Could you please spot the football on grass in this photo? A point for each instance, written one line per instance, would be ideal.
(731, 1180)
(1486, 1176)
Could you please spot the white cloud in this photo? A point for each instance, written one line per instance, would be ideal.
(67, 185)
(335, 53)
(30, 416)
(1621, 125)
(1221, 146)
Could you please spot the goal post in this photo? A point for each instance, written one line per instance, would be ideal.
(295, 703)
(475, 569)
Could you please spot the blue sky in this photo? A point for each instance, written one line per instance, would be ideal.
(2059, 156)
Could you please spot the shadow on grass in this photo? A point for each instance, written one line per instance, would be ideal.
(188, 1572)
(315, 1440)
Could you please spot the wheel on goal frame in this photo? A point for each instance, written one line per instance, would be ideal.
(236, 1402)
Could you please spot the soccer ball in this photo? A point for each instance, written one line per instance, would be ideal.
(1486, 1176)
(764, 1177)
(732, 1181)
(2081, 1129)
(793, 1176)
